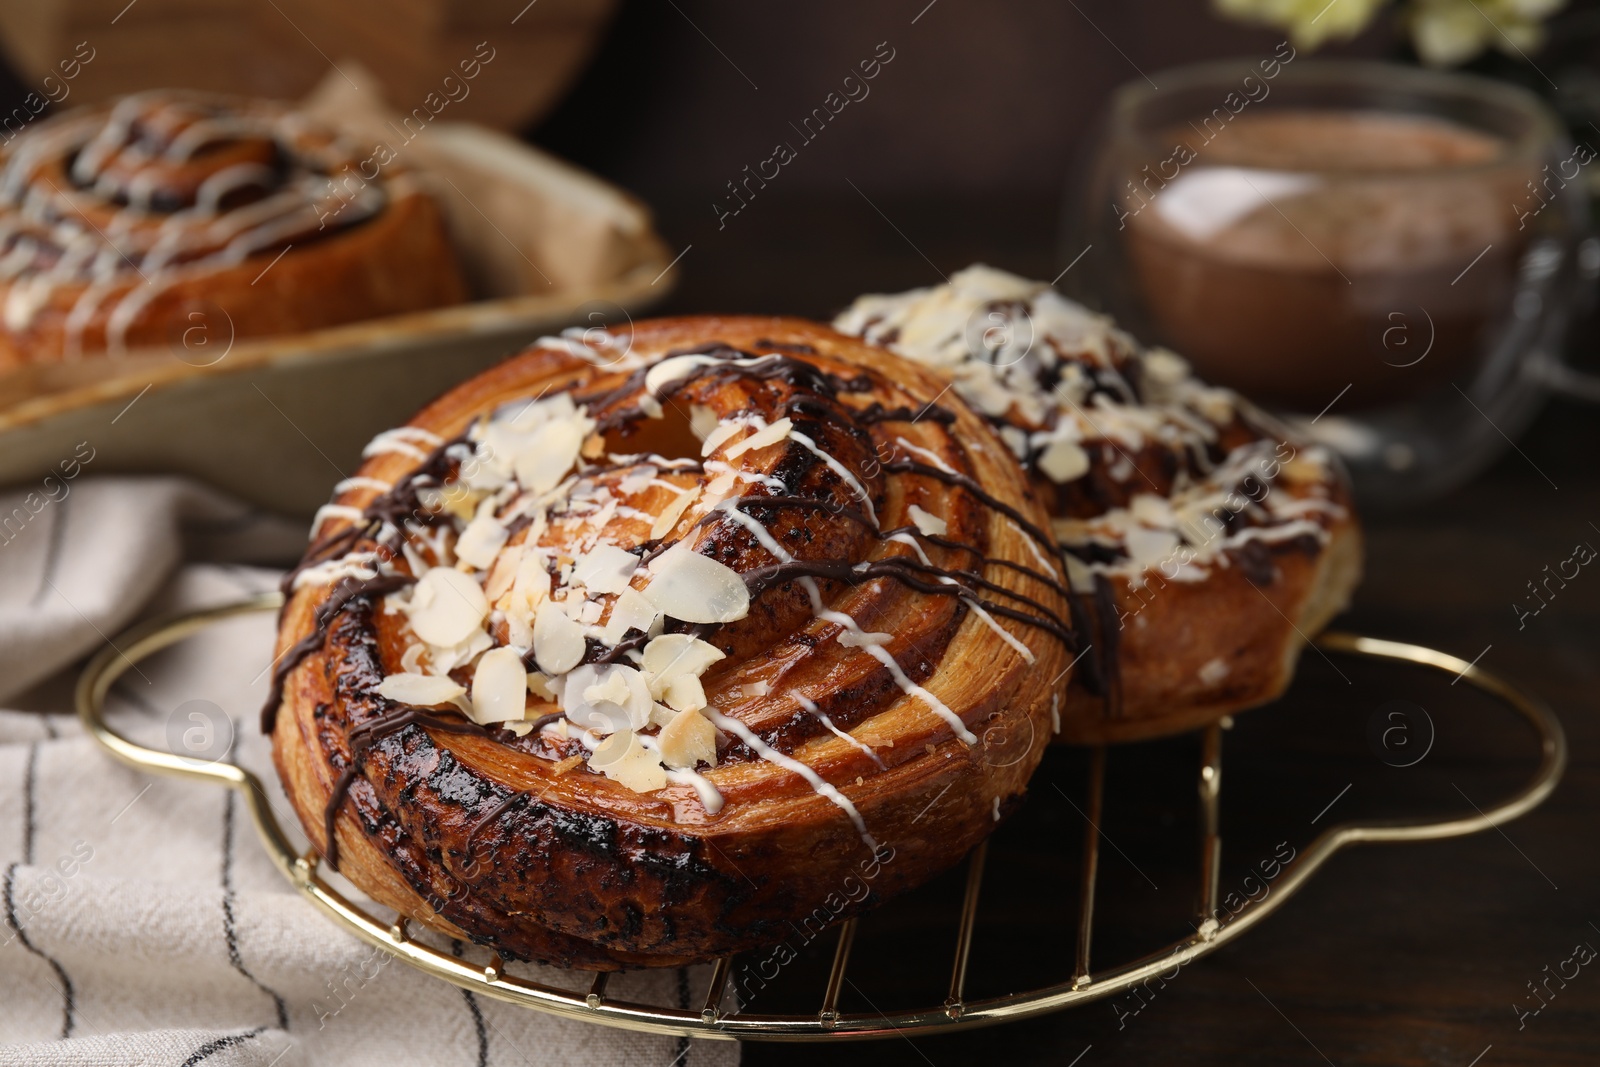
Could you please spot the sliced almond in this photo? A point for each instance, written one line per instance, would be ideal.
(1148, 547)
(483, 538)
(722, 432)
(1151, 510)
(688, 741)
(640, 771)
(670, 514)
(447, 606)
(696, 588)
(623, 759)
(549, 453)
(539, 686)
(609, 697)
(676, 655)
(504, 574)
(771, 435)
(611, 750)
(459, 500)
(1064, 461)
(630, 611)
(445, 660)
(928, 523)
(419, 690)
(558, 643)
(684, 693)
(605, 569)
(532, 583)
(499, 687)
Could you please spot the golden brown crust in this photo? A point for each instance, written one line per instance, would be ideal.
(1227, 635)
(1255, 632)
(128, 254)
(490, 837)
(1207, 543)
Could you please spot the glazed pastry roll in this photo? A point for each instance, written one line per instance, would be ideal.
(642, 648)
(1205, 543)
(123, 225)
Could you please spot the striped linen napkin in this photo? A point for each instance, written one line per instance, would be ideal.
(142, 921)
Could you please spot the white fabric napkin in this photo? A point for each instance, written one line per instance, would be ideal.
(142, 922)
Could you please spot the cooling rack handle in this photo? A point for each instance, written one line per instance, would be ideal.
(150, 637)
(1537, 714)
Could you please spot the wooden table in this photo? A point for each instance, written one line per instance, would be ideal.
(1394, 955)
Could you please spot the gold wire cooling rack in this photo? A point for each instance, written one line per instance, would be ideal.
(711, 1019)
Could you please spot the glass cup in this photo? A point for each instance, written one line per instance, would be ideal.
(1386, 256)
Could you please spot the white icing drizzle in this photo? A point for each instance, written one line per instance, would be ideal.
(402, 440)
(333, 511)
(932, 458)
(789, 763)
(359, 565)
(739, 474)
(1005, 635)
(822, 716)
(362, 482)
(849, 624)
(840, 469)
(1181, 534)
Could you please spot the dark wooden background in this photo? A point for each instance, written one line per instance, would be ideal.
(1395, 955)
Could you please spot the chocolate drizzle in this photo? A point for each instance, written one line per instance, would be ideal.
(393, 507)
(902, 569)
(911, 466)
(907, 572)
(875, 413)
(361, 739)
(346, 592)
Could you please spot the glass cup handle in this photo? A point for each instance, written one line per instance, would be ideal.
(1566, 381)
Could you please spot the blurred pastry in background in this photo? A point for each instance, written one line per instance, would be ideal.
(123, 225)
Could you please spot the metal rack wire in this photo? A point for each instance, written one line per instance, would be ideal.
(711, 1019)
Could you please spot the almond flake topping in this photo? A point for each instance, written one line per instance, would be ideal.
(668, 519)
(605, 569)
(499, 687)
(419, 690)
(622, 758)
(928, 524)
(770, 435)
(688, 740)
(694, 588)
(447, 606)
(558, 642)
